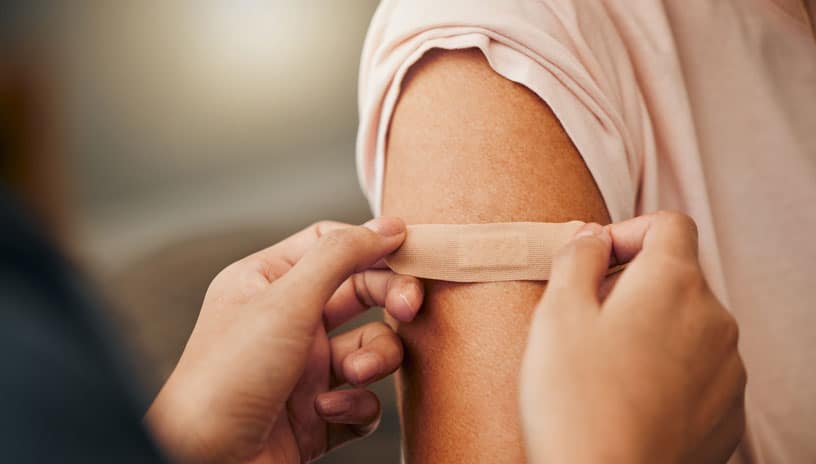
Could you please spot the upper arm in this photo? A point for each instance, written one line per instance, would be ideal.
(466, 145)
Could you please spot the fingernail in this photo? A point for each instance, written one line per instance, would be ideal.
(365, 366)
(335, 405)
(387, 227)
(399, 299)
(400, 307)
(589, 229)
(407, 308)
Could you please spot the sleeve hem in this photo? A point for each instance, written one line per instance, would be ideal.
(600, 139)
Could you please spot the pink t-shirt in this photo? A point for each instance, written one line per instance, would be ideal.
(708, 107)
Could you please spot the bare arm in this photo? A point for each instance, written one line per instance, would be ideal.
(468, 146)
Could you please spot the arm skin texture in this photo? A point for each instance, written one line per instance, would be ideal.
(469, 146)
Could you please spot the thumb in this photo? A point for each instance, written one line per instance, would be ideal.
(309, 284)
(579, 267)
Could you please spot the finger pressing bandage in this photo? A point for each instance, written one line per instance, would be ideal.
(481, 252)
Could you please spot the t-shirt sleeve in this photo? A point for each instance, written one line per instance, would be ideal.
(568, 53)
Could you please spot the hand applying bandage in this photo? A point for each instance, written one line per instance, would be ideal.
(258, 379)
(648, 372)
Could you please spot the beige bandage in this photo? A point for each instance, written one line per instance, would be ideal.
(481, 252)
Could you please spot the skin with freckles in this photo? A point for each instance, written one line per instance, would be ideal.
(258, 380)
(468, 146)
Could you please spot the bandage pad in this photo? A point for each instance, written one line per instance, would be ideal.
(481, 252)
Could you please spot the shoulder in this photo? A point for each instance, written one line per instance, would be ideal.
(570, 55)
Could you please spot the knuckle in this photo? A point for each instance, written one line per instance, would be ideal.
(227, 273)
(678, 220)
(342, 238)
(361, 290)
(323, 227)
(225, 282)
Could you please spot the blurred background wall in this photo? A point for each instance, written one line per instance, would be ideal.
(196, 133)
(193, 116)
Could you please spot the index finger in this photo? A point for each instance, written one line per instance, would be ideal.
(308, 285)
(664, 232)
(292, 248)
(276, 260)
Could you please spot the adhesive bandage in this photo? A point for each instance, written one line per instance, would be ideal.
(481, 252)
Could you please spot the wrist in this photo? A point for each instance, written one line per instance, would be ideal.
(169, 420)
